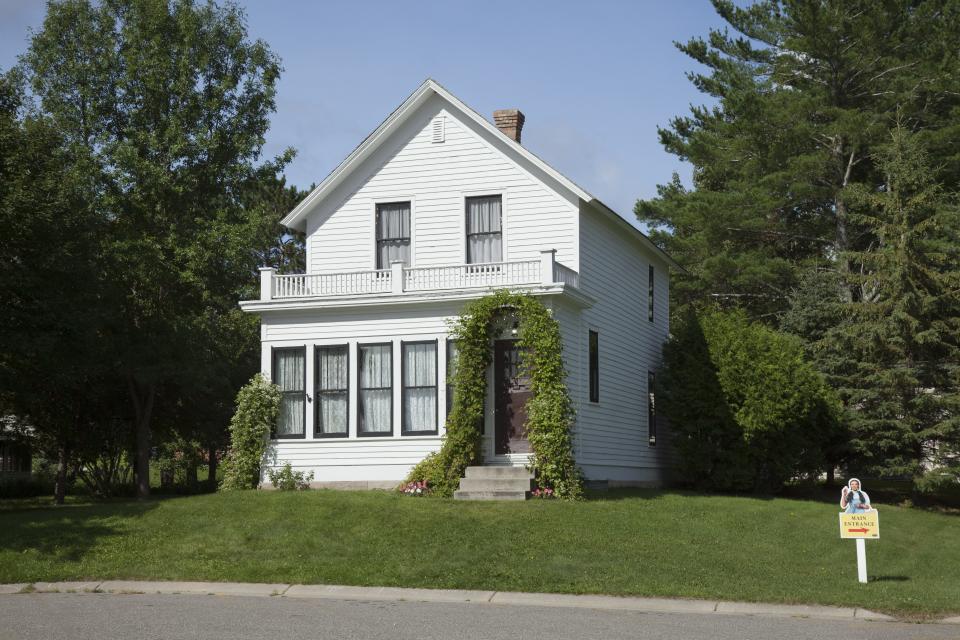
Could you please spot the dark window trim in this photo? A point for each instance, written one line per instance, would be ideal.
(436, 389)
(318, 393)
(593, 355)
(376, 232)
(650, 292)
(466, 227)
(651, 409)
(373, 434)
(273, 379)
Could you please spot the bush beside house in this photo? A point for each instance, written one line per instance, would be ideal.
(746, 410)
(258, 405)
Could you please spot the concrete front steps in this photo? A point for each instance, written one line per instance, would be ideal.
(495, 483)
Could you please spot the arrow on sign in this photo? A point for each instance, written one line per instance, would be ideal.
(863, 530)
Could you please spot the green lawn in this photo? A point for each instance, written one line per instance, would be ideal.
(630, 543)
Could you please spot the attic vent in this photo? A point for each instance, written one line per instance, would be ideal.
(438, 129)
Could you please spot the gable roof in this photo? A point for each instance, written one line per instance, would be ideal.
(296, 219)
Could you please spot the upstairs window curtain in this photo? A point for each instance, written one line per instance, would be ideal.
(419, 387)
(376, 389)
(484, 230)
(393, 234)
(331, 391)
(289, 373)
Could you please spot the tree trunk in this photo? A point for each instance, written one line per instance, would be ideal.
(831, 475)
(190, 474)
(60, 488)
(143, 409)
(212, 463)
(842, 241)
(166, 478)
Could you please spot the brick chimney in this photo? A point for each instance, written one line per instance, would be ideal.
(510, 122)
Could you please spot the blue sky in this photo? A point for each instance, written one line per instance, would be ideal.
(594, 79)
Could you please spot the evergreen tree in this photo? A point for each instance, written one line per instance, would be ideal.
(896, 357)
(805, 91)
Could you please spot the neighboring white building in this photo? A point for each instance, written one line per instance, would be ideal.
(436, 207)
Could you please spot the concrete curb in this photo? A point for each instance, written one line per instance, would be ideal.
(504, 598)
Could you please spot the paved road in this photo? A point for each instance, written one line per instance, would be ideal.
(75, 616)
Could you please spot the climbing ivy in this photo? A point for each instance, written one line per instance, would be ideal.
(549, 409)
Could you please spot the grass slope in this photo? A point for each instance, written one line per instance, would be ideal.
(632, 543)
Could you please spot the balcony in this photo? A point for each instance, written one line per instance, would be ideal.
(545, 275)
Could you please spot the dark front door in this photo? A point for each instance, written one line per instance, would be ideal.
(512, 392)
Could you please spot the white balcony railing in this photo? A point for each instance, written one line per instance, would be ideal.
(398, 279)
(566, 275)
(302, 285)
(468, 276)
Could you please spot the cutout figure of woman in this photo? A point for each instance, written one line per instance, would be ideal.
(853, 499)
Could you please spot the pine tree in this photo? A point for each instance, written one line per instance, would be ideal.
(804, 91)
(896, 357)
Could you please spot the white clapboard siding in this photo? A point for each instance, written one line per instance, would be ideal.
(612, 434)
(436, 177)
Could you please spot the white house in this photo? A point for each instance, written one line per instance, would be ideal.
(436, 207)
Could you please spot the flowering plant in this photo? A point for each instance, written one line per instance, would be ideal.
(542, 492)
(417, 488)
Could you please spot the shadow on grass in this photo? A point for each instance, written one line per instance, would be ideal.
(890, 579)
(68, 532)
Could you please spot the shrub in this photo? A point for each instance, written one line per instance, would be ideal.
(258, 404)
(746, 410)
(286, 479)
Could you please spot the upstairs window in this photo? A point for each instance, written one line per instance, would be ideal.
(594, 366)
(484, 230)
(290, 374)
(393, 234)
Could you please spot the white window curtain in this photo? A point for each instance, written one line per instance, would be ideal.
(289, 375)
(420, 387)
(376, 388)
(484, 230)
(332, 389)
(393, 234)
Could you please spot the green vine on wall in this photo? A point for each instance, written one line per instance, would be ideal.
(549, 409)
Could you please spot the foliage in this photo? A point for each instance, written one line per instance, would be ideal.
(286, 479)
(141, 162)
(542, 492)
(549, 410)
(802, 96)
(746, 410)
(896, 356)
(258, 405)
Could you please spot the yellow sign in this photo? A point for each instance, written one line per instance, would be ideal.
(863, 524)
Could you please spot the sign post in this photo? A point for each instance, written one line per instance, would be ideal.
(862, 560)
(860, 526)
